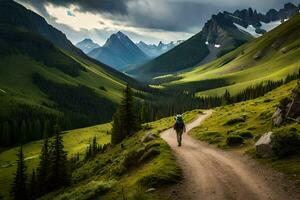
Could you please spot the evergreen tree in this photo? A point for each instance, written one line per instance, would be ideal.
(95, 145)
(128, 118)
(227, 97)
(125, 121)
(19, 190)
(33, 186)
(43, 169)
(59, 174)
(116, 132)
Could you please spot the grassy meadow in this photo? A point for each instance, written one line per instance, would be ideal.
(256, 115)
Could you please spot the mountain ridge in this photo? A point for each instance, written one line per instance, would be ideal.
(87, 45)
(119, 52)
(221, 34)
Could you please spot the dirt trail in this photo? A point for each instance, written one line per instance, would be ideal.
(210, 173)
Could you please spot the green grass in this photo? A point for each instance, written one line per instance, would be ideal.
(238, 69)
(257, 114)
(75, 141)
(106, 168)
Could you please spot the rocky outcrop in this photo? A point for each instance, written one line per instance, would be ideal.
(294, 106)
(264, 145)
(148, 137)
(288, 108)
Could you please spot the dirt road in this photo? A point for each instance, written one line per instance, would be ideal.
(210, 173)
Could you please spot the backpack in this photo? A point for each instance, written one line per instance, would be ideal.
(179, 124)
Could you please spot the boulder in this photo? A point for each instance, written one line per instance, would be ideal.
(148, 137)
(264, 145)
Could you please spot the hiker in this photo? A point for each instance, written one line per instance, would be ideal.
(179, 126)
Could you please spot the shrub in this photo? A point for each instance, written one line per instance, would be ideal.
(234, 140)
(151, 153)
(246, 135)
(131, 158)
(103, 88)
(285, 142)
(235, 121)
(87, 191)
(211, 137)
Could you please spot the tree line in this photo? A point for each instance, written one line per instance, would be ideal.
(166, 103)
(26, 123)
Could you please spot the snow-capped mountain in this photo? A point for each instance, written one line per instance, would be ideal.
(153, 50)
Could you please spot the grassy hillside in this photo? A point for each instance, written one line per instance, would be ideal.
(107, 168)
(45, 79)
(73, 89)
(270, 57)
(256, 115)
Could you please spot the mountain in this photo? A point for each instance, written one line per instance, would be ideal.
(272, 56)
(119, 52)
(87, 45)
(221, 34)
(153, 50)
(45, 80)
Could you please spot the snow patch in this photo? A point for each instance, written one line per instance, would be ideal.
(269, 26)
(217, 46)
(250, 29)
(206, 43)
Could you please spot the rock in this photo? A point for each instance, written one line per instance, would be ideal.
(264, 145)
(150, 190)
(277, 117)
(258, 55)
(148, 137)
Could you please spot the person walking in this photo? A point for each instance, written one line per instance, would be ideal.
(179, 127)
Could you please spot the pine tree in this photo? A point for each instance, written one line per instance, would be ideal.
(43, 169)
(19, 190)
(125, 121)
(116, 132)
(33, 186)
(59, 174)
(227, 97)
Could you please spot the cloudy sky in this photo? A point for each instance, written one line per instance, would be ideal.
(148, 20)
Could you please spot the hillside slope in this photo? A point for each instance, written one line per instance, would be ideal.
(46, 81)
(270, 57)
(221, 34)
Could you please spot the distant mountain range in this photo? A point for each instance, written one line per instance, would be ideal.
(119, 52)
(153, 50)
(220, 35)
(87, 45)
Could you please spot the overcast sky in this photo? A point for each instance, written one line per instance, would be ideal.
(148, 20)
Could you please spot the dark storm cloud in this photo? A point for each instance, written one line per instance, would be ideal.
(170, 15)
(173, 16)
(110, 6)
